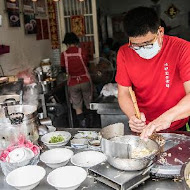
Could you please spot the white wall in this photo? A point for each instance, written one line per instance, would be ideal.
(120, 6)
(25, 50)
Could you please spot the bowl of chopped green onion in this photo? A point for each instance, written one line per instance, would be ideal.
(56, 139)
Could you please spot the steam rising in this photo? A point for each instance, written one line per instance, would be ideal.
(31, 94)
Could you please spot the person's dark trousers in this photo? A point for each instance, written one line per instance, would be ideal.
(82, 120)
(90, 117)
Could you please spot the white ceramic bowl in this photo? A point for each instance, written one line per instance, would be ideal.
(26, 177)
(56, 158)
(55, 146)
(67, 178)
(79, 143)
(46, 138)
(94, 145)
(86, 135)
(88, 158)
(19, 155)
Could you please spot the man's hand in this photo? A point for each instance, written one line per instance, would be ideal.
(161, 123)
(137, 125)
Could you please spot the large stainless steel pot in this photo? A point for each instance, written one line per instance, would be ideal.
(119, 152)
(18, 120)
(119, 148)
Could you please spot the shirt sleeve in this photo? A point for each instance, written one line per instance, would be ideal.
(122, 76)
(184, 63)
(62, 60)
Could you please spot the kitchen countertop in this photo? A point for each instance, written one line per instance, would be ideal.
(89, 183)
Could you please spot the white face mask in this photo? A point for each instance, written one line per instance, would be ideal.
(149, 53)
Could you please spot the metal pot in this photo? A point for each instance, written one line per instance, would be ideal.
(119, 152)
(47, 85)
(119, 148)
(16, 120)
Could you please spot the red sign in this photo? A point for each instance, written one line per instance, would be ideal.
(53, 24)
(78, 25)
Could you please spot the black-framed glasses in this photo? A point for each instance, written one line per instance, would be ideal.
(146, 46)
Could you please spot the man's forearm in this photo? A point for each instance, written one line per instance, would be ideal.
(180, 111)
(126, 105)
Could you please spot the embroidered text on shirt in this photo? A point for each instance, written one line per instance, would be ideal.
(167, 76)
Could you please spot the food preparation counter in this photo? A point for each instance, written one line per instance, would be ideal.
(109, 110)
(89, 183)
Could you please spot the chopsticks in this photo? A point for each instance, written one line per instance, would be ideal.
(155, 136)
(134, 100)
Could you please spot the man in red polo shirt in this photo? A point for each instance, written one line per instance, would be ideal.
(157, 67)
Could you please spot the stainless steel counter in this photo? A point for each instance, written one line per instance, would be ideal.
(90, 184)
(109, 102)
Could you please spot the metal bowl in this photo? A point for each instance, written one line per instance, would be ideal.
(119, 152)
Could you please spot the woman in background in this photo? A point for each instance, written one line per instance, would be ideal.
(75, 60)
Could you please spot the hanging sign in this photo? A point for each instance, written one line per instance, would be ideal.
(41, 7)
(30, 24)
(13, 13)
(78, 25)
(28, 6)
(53, 24)
(172, 11)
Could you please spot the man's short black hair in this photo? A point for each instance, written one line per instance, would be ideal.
(141, 20)
(70, 38)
